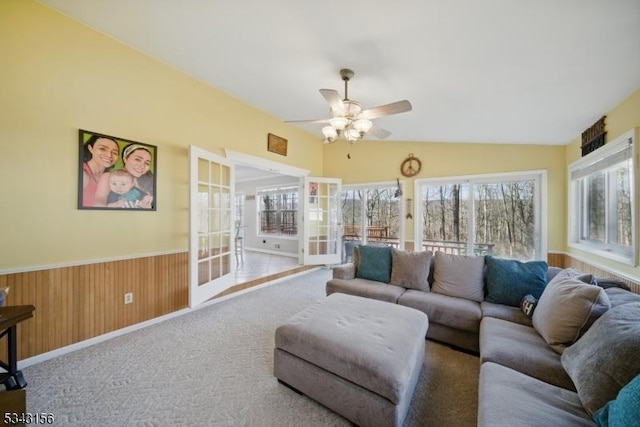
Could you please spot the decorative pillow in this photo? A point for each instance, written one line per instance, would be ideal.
(528, 305)
(458, 276)
(606, 358)
(374, 263)
(410, 269)
(624, 411)
(567, 308)
(509, 280)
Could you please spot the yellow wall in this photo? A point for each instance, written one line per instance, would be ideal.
(624, 117)
(58, 76)
(440, 160)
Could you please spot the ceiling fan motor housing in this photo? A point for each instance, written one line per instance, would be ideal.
(346, 74)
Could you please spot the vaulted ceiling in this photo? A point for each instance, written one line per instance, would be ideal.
(503, 71)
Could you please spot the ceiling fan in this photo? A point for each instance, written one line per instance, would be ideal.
(349, 120)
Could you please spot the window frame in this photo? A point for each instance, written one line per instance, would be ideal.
(372, 186)
(540, 220)
(278, 189)
(601, 160)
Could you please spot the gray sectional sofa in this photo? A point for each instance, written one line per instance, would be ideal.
(571, 362)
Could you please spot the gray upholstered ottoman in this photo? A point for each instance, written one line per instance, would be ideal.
(357, 356)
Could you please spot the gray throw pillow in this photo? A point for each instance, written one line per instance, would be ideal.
(458, 276)
(606, 358)
(410, 269)
(567, 308)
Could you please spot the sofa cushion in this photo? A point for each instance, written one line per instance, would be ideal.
(458, 276)
(619, 296)
(505, 312)
(624, 410)
(508, 398)
(567, 308)
(410, 269)
(521, 348)
(374, 263)
(365, 288)
(508, 280)
(458, 313)
(605, 358)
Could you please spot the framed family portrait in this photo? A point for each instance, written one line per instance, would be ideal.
(116, 173)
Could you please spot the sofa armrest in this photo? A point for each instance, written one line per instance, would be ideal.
(344, 271)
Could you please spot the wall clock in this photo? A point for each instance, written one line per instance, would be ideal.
(410, 166)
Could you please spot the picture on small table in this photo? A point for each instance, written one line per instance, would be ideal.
(116, 173)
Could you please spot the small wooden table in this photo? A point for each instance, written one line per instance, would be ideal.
(9, 319)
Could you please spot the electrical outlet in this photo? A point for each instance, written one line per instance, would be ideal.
(277, 245)
(128, 298)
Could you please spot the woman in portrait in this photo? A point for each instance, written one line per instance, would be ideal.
(100, 153)
(137, 160)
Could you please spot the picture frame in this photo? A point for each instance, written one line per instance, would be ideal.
(276, 144)
(116, 173)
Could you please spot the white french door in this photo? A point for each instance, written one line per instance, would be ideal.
(211, 220)
(321, 241)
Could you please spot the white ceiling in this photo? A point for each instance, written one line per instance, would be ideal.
(503, 71)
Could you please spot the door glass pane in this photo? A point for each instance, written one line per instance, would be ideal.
(203, 272)
(352, 214)
(203, 246)
(203, 206)
(383, 215)
(203, 170)
(225, 176)
(215, 268)
(215, 173)
(505, 219)
(445, 218)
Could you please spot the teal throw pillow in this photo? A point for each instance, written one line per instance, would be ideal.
(374, 263)
(624, 410)
(509, 280)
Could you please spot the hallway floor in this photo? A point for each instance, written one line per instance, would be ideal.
(258, 264)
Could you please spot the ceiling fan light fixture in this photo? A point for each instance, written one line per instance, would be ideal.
(362, 126)
(352, 135)
(338, 123)
(330, 134)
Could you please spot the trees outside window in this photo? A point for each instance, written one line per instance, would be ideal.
(602, 200)
(278, 210)
(371, 213)
(490, 214)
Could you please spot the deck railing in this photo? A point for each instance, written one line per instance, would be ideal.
(380, 234)
(457, 248)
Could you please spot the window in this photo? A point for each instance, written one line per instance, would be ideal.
(278, 210)
(239, 205)
(371, 213)
(602, 200)
(498, 215)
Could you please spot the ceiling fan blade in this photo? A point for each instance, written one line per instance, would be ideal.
(333, 99)
(308, 121)
(378, 132)
(386, 110)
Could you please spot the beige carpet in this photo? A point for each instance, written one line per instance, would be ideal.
(213, 367)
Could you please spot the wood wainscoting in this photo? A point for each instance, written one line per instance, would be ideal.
(569, 261)
(77, 303)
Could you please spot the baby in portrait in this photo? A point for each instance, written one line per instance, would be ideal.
(124, 193)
